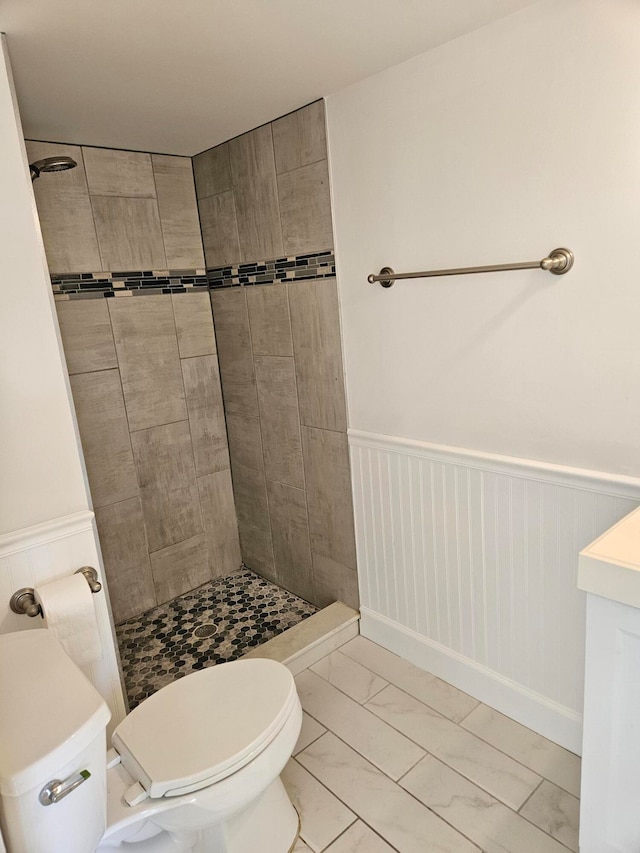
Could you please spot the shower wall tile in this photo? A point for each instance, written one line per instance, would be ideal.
(212, 171)
(252, 508)
(146, 343)
(129, 233)
(291, 543)
(86, 334)
(245, 441)
(180, 568)
(126, 558)
(333, 581)
(305, 209)
(279, 419)
(206, 414)
(220, 523)
(194, 324)
(178, 211)
(269, 320)
(119, 173)
(256, 195)
(64, 210)
(220, 229)
(326, 463)
(234, 351)
(315, 322)
(299, 138)
(168, 488)
(104, 431)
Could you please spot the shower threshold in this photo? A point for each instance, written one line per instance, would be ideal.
(215, 623)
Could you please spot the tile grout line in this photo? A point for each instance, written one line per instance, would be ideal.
(469, 731)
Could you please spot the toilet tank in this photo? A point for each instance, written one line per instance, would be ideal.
(52, 730)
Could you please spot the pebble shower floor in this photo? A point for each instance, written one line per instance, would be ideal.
(214, 623)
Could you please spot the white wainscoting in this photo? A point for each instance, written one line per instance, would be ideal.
(467, 565)
(45, 552)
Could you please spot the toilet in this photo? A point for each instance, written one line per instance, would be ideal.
(194, 768)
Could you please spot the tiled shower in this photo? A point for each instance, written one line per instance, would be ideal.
(209, 396)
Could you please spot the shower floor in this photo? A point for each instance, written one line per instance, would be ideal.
(215, 623)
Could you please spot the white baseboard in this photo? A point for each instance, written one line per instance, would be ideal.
(556, 722)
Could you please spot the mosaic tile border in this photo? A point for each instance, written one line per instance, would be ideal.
(141, 282)
(295, 268)
(128, 283)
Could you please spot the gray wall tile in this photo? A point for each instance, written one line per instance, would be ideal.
(220, 524)
(256, 195)
(279, 419)
(86, 333)
(104, 431)
(64, 211)
(219, 229)
(245, 441)
(305, 209)
(194, 324)
(334, 582)
(206, 414)
(326, 463)
(119, 173)
(231, 322)
(269, 320)
(212, 171)
(167, 478)
(145, 337)
(291, 543)
(126, 559)
(180, 567)
(178, 211)
(252, 508)
(317, 345)
(299, 138)
(129, 233)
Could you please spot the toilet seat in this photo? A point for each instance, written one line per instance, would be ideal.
(205, 726)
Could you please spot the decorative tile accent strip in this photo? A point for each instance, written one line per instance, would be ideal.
(215, 623)
(298, 268)
(127, 283)
(89, 285)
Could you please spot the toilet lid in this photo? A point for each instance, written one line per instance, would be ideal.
(205, 726)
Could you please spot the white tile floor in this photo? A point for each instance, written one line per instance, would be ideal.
(392, 758)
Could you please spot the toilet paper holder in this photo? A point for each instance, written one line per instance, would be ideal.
(23, 601)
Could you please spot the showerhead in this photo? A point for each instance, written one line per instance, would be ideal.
(51, 164)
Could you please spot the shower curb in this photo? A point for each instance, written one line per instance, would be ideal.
(310, 640)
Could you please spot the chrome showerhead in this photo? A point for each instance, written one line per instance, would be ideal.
(51, 164)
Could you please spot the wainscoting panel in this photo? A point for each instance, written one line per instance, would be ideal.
(468, 565)
(46, 552)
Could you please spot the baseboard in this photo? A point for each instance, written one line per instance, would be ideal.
(555, 722)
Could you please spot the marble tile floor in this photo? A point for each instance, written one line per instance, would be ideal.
(217, 622)
(391, 758)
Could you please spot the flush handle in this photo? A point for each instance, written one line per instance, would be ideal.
(57, 789)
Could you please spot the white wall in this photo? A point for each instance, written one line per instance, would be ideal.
(496, 147)
(47, 529)
(480, 406)
(41, 468)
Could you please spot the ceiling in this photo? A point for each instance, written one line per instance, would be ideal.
(179, 76)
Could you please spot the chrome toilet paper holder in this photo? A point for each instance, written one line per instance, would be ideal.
(23, 602)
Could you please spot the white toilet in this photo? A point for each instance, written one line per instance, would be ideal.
(196, 767)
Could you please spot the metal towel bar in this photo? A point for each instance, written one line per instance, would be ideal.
(24, 602)
(558, 262)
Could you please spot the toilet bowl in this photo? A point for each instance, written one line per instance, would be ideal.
(195, 767)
